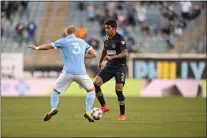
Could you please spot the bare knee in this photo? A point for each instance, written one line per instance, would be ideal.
(119, 87)
(98, 81)
(92, 90)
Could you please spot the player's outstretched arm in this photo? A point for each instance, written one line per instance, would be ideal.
(90, 54)
(41, 47)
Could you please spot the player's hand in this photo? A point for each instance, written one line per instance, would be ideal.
(108, 58)
(101, 66)
(32, 47)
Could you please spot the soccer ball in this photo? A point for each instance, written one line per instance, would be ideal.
(96, 113)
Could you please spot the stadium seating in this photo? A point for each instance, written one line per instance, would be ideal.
(155, 44)
(55, 13)
(9, 43)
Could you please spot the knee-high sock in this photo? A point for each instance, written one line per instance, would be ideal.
(54, 99)
(121, 100)
(90, 100)
(99, 95)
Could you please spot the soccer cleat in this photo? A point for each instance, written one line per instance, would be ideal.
(49, 115)
(122, 117)
(88, 116)
(105, 108)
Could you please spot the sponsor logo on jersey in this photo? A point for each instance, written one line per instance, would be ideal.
(122, 42)
(111, 52)
(113, 45)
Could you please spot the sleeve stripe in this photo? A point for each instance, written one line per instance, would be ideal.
(88, 49)
(54, 45)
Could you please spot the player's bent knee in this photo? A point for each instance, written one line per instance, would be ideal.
(98, 81)
(119, 87)
(91, 90)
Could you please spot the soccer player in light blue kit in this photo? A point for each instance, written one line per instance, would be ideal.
(74, 51)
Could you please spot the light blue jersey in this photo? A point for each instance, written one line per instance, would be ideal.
(73, 50)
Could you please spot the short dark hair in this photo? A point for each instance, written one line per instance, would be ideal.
(111, 22)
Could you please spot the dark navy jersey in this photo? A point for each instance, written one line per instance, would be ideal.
(114, 46)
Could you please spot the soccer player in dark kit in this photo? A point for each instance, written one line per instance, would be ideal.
(115, 52)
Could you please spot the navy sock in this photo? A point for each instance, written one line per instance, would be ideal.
(121, 100)
(99, 95)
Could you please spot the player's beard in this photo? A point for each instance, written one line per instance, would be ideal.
(109, 34)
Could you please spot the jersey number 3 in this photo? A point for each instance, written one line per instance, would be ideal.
(76, 48)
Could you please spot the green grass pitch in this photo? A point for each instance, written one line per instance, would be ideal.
(170, 116)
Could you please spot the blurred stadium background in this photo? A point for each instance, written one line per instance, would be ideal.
(167, 45)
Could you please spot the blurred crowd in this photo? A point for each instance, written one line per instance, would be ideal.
(169, 26)
(15, 23)
(137, 22)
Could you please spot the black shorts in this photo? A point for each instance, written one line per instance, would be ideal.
(109, 72)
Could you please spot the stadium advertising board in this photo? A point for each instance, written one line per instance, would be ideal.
(26, 87)
(170, 67)
(12, 65)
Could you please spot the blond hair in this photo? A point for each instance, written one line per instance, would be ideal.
(70, 30)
